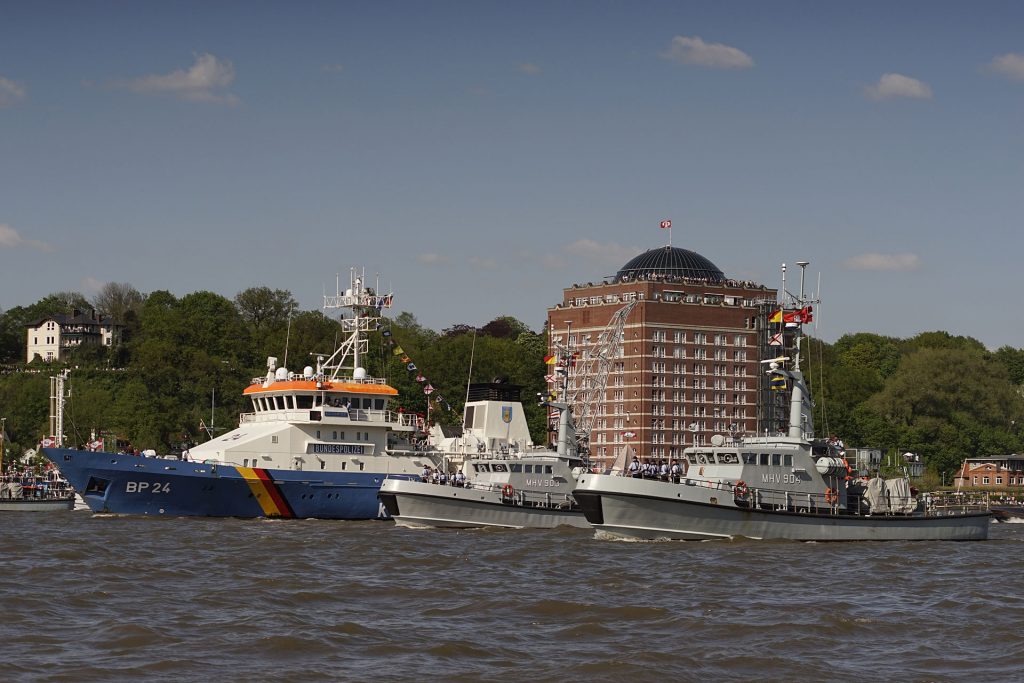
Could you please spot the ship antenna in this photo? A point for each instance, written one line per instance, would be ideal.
(469, 378)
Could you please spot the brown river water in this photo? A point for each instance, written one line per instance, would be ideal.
(106, 598)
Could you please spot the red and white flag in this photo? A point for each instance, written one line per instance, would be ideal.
(665, 225)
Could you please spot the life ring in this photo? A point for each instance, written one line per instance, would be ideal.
(507, 491)
(740, 490)
(831, 496)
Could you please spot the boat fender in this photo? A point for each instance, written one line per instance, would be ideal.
(740, 490)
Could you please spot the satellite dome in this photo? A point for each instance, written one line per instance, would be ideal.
(673, 262)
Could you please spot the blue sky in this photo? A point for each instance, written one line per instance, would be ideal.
(481, 156)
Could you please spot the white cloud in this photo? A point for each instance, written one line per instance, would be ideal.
(432, 259)
(205, 81)
(482, 263)
(898, 85)
(529, 69)
(91, 284)
(872, 261)
(11, 93)
(589, 253)
(1010, 65)
(693, 50)
(10, 239)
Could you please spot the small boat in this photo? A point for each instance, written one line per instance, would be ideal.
(504, 481)
(788, 485)
(315, 444)
(29, 492)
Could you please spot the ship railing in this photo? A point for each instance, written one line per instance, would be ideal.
(292, 377)
(316, 415)
(521, 498)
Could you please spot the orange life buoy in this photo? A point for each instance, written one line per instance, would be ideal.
(831, 496)
(740, 490)
(507, 491)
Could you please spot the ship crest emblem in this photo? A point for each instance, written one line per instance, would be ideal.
(506, 414)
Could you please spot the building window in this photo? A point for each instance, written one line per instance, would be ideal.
(985, 481)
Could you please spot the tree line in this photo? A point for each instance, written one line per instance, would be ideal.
(186, 360)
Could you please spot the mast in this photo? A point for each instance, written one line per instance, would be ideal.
(367, 306)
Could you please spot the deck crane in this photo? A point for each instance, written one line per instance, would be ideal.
(587, 393)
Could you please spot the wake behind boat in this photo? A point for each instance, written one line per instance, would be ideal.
(314, 445)
(506, 481)
(785, 486)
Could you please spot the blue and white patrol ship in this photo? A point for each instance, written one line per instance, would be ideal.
(315, 445)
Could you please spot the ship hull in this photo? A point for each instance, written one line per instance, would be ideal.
(418, 504)
(37, 504)
(132, 485)
(639, 509)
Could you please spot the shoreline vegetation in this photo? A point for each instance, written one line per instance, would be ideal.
(943, 397)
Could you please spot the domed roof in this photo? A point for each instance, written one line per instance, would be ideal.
(671, 261)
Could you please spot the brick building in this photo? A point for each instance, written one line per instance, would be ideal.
(992, 472)
(687, 366)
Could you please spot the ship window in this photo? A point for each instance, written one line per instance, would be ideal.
(280, 402)
(787, 460)
(469, 415)
(776, 459)
(750, 458)
(318, 433)
(289, 402)
(335, 437)
(273, 439)
(245, 462)
(764, 459)
(366, 436)
(483, 467)
(323, 464)
(343, 464)
(378, 404)
(547, 469)
(529, 469)
(516, 467)
(304, 402)
(499, 467)
(701, 459)
(360, 467)
(692, 458)
(343, 436)
(727, 458)
(358, 435)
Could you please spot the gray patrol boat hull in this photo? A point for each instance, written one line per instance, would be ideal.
(644, 509)
(417, 504)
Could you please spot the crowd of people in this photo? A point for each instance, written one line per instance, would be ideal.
(655, 469)
(436, 475)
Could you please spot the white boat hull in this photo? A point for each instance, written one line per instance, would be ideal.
(643, 509)
(417, 504)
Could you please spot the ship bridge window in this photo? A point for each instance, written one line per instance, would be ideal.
(279, 400)
(763, 459)
(499, 467)
(787, 459)
(776, 459)
(304, 402)
(702, 459)
(529, 469)
(728, 458)
(481, 467)
(515, 467)
(692, 458)
(749, 458)
(378, 404)
(547, 469)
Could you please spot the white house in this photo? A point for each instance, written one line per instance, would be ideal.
(51, 336)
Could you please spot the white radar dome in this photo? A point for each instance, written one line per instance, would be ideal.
(281, 374)
(307, 372)
(359, 373)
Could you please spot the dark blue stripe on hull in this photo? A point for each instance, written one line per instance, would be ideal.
(124, 484)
